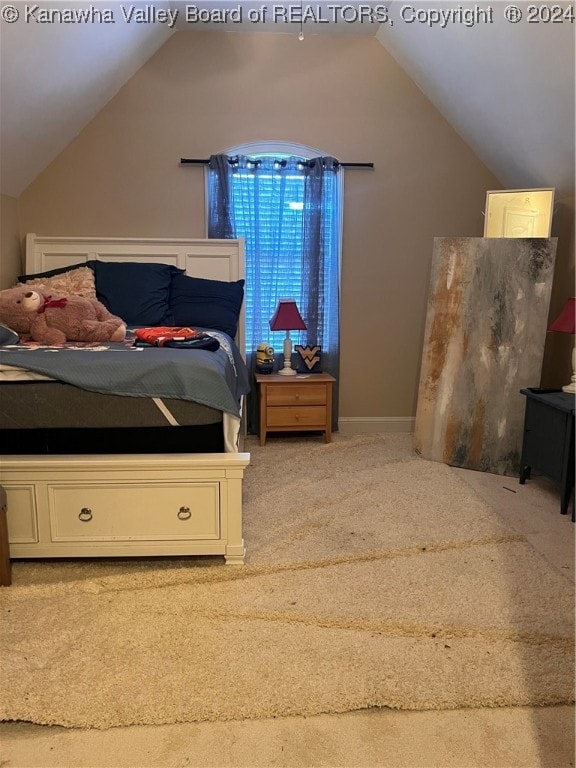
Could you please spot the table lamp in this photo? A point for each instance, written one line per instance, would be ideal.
(287, 318)
(565, 323)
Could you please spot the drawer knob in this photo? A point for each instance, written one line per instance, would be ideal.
(85, 515)
(184, 513)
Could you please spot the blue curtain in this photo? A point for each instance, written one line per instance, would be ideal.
(287, 210)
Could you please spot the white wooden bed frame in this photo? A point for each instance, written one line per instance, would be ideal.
(129, 505)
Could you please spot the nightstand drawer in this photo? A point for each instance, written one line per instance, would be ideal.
(294, 416)
(296, 394)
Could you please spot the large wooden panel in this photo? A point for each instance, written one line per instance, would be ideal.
(483, 342)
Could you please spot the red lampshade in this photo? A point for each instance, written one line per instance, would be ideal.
(286, 317)
(565, 322)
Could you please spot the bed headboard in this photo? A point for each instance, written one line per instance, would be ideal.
(210, 259)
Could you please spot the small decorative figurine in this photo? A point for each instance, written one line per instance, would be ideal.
(264, 358)
(309, 359)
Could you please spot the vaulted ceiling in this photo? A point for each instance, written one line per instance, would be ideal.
(506, 87)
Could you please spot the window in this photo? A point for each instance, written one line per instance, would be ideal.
(286, 203)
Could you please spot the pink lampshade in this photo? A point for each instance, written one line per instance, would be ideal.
(286, 317)
(565, 322)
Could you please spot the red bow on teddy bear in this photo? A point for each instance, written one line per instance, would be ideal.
(49, 302)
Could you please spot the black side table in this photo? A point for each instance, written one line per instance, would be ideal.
(548, 444)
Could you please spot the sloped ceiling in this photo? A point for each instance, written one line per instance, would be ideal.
(508, 89)
(55, 77)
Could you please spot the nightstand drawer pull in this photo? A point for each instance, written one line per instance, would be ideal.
(85, 515)
(184, 513)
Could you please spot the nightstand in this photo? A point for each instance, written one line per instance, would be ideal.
(295, 403)
(548, 444)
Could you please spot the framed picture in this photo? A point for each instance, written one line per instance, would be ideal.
(309, 359)
(519, 213)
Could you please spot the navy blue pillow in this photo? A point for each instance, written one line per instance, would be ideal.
(206, 303)
(139, 293)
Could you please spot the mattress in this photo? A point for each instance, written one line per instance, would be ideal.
(113, 398)
(56, 405)
(51, 417)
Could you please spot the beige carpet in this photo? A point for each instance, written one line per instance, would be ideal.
(373, 578)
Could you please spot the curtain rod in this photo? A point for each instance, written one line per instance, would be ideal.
(196, 161)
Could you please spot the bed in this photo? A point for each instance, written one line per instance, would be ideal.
(120, 450)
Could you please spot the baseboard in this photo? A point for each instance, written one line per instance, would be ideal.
(353, 425)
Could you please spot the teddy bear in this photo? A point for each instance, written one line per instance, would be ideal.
(54, 320)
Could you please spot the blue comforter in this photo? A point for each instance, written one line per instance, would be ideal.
(216, 379)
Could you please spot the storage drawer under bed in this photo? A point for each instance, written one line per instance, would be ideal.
(125, 505)
(118, 512)
(134, 512)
